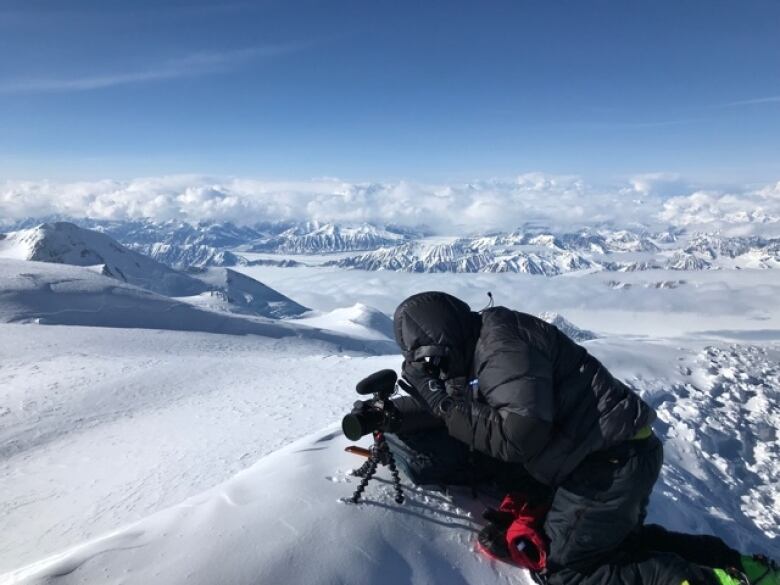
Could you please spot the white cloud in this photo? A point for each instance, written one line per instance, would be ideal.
(556, 201)
(726, 210)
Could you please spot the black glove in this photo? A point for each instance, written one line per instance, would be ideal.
(492, 537)
(424, 386)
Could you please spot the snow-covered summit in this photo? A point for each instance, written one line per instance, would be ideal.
(359, 320)
(181, 257)
(314, 238)
(567, 327)
(239, 293)
(66, 243)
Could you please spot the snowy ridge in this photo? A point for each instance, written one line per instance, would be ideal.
(528, 250)
(217, 288)
(552, 255)
(55, 294)
(315, 238)
(238, 293)
(66, 243)
(464, 255)
(185, 256)
(176, 233)
(358, 320)
(567, 327)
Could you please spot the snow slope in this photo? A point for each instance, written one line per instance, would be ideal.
(66, 243)
(57, 294)
(280, 521)
(567, 327)
(238, 293)
(358, 320)
(103, 426)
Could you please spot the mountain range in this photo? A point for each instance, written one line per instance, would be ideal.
(531, 250)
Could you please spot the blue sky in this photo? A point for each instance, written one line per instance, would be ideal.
(387, 90)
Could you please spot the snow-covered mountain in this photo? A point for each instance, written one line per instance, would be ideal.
(58, 294)
(215, 288)
(182, 256)
(465, 255)
(180, 233)
(567, 327)
(315, 238)
(66, 243)
(529, 250)
(238, 293)
(358, 320)
(551, 255)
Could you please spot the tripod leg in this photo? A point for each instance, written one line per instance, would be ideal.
(372, 463)
(399, 494)
(363, 469)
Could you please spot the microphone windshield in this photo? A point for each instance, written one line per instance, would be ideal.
(382, 382)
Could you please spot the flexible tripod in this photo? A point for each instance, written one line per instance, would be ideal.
(379, 453)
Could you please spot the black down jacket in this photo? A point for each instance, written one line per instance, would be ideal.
(535, 397)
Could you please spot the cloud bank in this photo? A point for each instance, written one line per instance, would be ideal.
(562, 202)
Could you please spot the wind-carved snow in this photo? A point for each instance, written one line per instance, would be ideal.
(718, 416)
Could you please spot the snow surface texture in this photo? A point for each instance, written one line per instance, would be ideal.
(282, 521)
(102, 426)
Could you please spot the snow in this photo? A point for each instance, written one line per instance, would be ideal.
(282, 521)
(102, 426)
(358, 320)
(55, 294)
(567, 327)
(145, 439)
(65, 243)
(236, 292)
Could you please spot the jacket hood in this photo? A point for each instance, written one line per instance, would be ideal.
(436, 324)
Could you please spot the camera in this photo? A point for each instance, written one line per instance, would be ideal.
(376, 415)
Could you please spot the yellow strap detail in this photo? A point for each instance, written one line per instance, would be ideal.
(643, 433)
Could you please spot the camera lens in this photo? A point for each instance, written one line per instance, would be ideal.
(352, 426)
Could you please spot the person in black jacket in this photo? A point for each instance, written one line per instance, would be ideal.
(516, 389)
